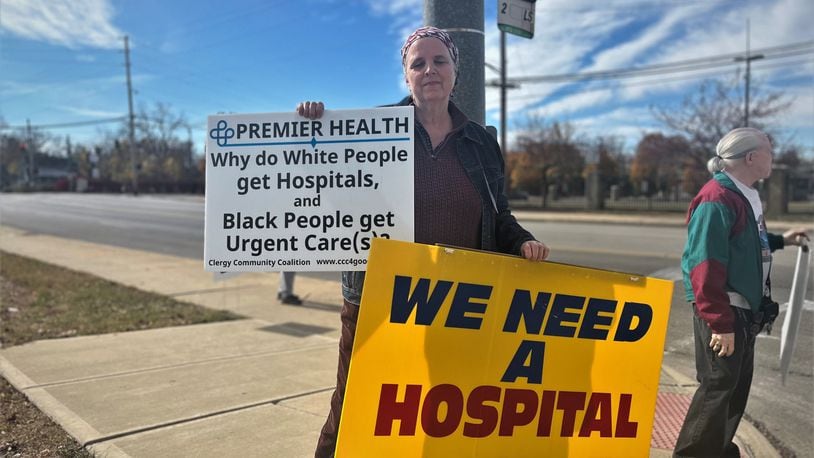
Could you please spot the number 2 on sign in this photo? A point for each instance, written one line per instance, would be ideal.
(528, 15)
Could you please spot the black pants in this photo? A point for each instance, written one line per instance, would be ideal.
(720, 400)
(326, 446)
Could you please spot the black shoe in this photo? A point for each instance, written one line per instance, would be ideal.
(291, 299)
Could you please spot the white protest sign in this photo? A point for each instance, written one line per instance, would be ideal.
(285, 193)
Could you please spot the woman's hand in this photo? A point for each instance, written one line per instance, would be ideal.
(534, 250)
(311, 110)
(795, 236)
(723, 344)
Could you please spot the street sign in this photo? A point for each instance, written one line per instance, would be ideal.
(516, 17)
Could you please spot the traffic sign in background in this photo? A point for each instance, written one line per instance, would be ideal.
(516, 17)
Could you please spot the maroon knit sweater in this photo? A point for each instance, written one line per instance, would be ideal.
(447, 205)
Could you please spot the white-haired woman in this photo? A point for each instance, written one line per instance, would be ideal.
(726, 265)
(459, 197)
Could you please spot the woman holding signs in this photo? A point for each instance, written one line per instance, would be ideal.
(459, 197)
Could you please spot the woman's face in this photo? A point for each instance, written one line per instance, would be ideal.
(429, 72)
(761, 160)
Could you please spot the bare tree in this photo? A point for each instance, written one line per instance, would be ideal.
(607, 154)
(659, 162)
(553, 153)
(164, 151)
(716, 108)
(165, 156)
(160, 128)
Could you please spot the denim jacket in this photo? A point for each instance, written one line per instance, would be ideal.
(480, 156)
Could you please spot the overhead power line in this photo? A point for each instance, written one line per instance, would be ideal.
(67, 124)
(623, 6)
(662, 80)
(721, 60)
(84, 123)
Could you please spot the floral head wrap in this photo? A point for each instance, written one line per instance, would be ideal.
(429, 31)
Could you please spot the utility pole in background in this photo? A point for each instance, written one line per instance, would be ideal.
(503, 144)
(30, 145)
(463, 20)
(503, 85)
(132, 131)
(515, 17)
(748, 59)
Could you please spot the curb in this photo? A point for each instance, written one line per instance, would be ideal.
(749, 439)
(674, 220)
(57, 411)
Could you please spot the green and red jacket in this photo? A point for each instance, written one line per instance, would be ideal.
(723, 252)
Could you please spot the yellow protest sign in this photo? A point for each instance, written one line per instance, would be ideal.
(465, 353)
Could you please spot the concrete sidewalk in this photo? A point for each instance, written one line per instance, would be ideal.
(253, 387)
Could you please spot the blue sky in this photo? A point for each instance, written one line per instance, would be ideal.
(61, 61)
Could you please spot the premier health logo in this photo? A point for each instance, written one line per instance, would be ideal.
(222, 133)
(298, 132)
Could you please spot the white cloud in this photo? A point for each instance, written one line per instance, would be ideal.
(573, 36)
(798, 120)
(91, 113)
(70, 23)
(628, 53)
(13, 88)
(407, 15)
(562, 39)
(630, 123)
(772, 23)
(74, 89)
(570, 104)
(396, 7)
(781, 22)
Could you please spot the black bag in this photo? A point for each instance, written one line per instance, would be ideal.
(765, 317)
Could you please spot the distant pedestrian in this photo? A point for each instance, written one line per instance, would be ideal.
(285, 293)
(726, 264)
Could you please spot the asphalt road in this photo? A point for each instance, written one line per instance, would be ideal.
(174, 225)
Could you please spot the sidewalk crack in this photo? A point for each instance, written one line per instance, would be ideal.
(130, 432)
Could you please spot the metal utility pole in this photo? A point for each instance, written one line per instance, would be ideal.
(748, 59)
(515, 17)
(503, 85)
(132, 134)
(507, 183)
(30, 141)
(463, 20)
(503, 144)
